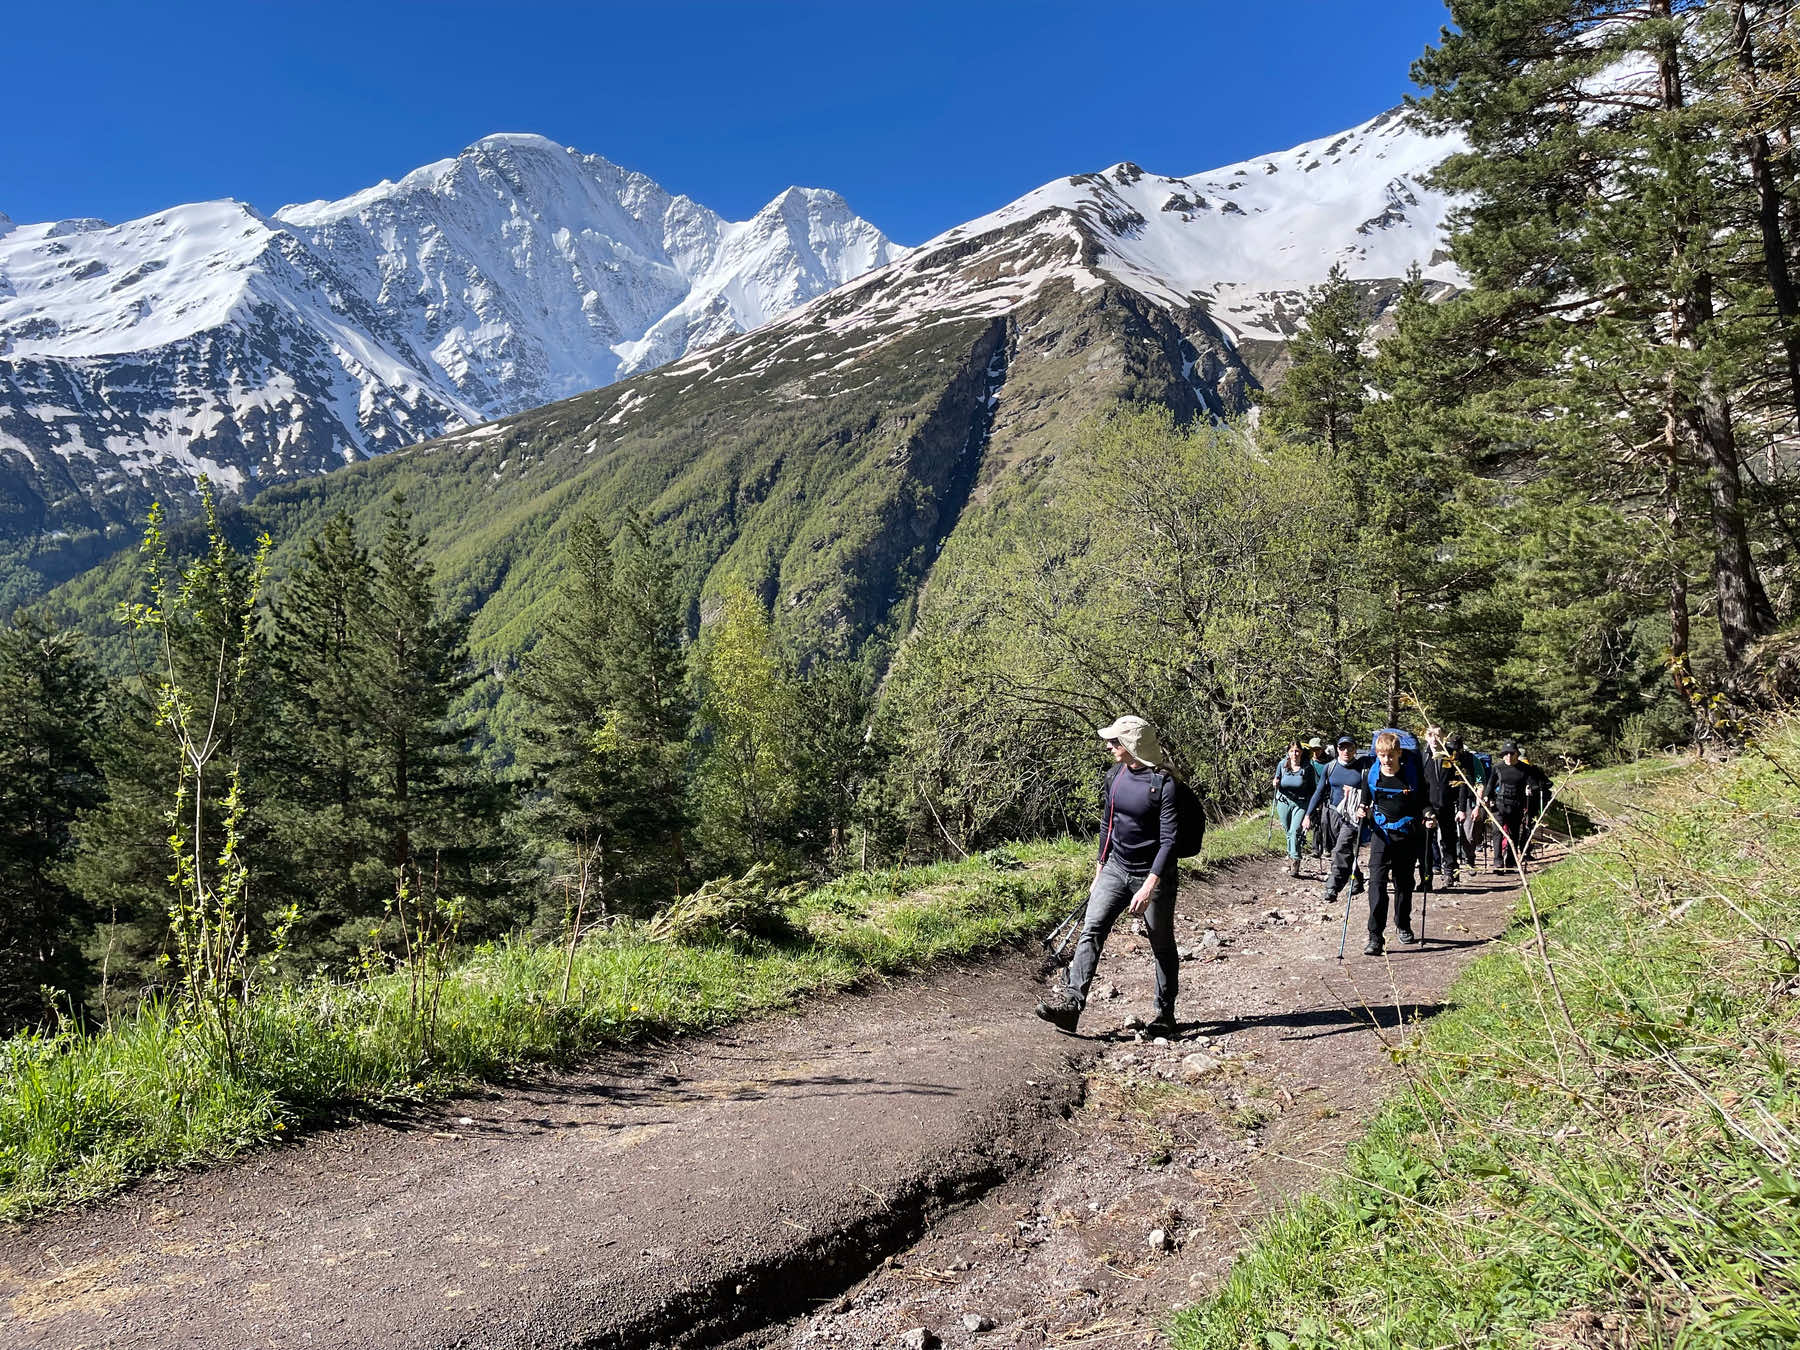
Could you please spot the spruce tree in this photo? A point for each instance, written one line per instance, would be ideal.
(432, 807)
(50, 730)
(1322, 392)
(605, 724)
(323, 772)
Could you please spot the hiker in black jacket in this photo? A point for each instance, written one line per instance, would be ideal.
(1398, 815)
(1336, 813)
(1134, 869)
(1517, 793)
(1443, 788)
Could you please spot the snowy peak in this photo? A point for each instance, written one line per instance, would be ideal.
(517, 272)
(1242, 241)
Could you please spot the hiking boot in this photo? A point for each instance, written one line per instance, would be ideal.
(1061, 1010)
(1294, 867)
(1450, 882)
(1356, 886)
(1374, 947)
(1163, 1024)
(1406, 936)
(1328, 898)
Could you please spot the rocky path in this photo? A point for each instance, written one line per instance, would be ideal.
(745, 1185)
(1180, 1148)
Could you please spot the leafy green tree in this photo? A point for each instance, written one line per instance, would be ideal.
(196, 640)
(748, 783)
(50, 730)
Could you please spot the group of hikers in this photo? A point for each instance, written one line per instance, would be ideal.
(1423, 809)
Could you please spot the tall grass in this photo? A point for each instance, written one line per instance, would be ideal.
(1607, 1157)
(81, 1112)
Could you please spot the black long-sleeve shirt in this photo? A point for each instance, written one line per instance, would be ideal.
(1138, 826)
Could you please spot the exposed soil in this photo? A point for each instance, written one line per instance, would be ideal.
(745, 1185)
(1294, 1059)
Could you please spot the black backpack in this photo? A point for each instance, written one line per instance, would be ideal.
(1190, 814)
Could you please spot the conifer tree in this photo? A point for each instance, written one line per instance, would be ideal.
(606, 723)
(429, 803)
(1604, 205)
(1323, 390)
(50, 729)
(323, 772)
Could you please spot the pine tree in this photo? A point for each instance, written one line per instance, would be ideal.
(605, 726)
(1604, 206)
(322, 771)
(430, 803)
(50, 730)
(1323, 390)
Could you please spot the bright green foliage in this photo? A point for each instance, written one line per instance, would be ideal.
(50, 731)
(1169, 572)
(1633, 1159)
(749, 723)
(198, 638)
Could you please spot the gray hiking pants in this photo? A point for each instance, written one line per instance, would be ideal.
(1108, 898)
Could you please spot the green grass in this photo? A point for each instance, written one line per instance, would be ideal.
(1627, 1173)
(82, 1113)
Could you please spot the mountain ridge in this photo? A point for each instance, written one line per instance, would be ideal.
(212, 338)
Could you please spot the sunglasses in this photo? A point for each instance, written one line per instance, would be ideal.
(1113, 742)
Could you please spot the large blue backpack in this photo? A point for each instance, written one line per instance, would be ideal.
(1412, 767)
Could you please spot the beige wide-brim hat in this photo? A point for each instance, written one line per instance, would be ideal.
(1137, 736)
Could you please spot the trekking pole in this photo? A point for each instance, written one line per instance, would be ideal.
(1425, 895)
(1059, 936)
(1350, 891)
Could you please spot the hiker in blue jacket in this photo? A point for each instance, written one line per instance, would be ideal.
(1335, 811)
(1399, 815)
(1296, 777)
(1135, 869)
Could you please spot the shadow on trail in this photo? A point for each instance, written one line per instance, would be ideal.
(1307, 1024)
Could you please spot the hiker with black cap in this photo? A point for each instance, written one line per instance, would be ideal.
(1323, 759)
(1517, 793)
(1464, 775)
(1135, 869)
(1336, 812)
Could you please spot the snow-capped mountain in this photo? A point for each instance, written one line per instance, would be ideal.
(210, 337)
(1241, 244)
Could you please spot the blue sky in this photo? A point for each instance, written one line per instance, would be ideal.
(923, 115)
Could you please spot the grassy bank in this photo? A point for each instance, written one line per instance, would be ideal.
(81, 1113)
(1600, 1148)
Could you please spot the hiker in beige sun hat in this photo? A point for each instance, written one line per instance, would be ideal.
(1137, 736)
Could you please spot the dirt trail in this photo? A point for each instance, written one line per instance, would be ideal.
(1294, 1046)
(710, 1188)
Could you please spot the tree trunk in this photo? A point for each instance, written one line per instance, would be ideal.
(1744, 612)
(1394, 644)
(1768, 213)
